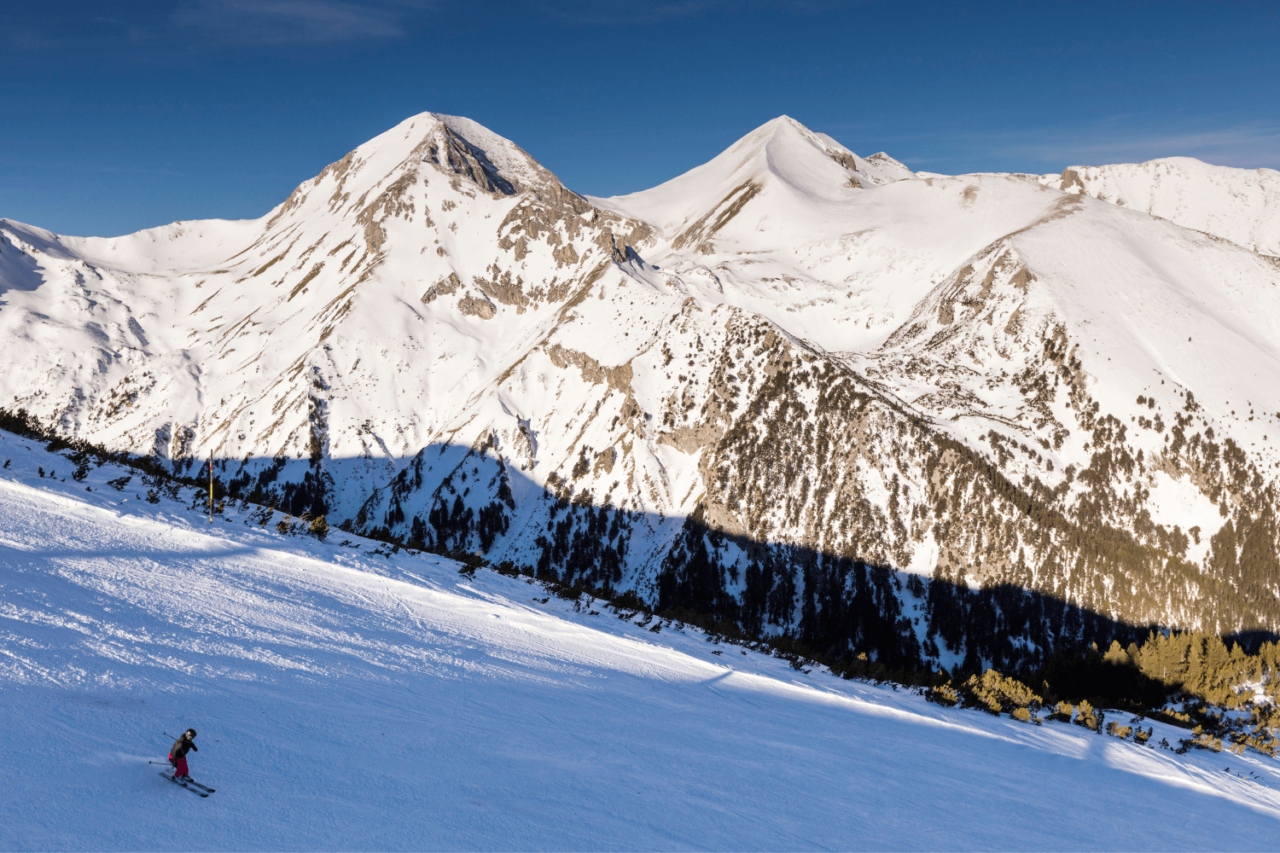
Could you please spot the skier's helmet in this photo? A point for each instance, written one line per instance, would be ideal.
(190, 734)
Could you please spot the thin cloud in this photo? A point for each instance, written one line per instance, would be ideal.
(252, 22)
(1243, 146)
(635, 12)
(618, 12)
(163, 30)
(1249, 145)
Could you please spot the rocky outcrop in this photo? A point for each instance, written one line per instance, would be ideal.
(470, 305)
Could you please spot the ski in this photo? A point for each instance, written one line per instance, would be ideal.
(200, 785)
(175, 780)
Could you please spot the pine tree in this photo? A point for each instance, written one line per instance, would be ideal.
(1088, 717)
(1116, 655)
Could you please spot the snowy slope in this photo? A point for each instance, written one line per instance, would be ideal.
(350, 699)
(1240, 205)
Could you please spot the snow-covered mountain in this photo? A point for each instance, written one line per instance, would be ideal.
(1239, 205)
(351, 323)
(734, 393)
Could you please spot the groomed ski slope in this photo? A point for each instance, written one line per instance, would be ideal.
(354, 701)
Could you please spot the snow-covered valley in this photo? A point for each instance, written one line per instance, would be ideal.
(352, 699)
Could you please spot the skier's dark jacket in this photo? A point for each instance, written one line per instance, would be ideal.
(180, 747)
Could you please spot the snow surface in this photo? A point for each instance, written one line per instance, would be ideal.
(350, 699)
(1239, 205)
(1177, 502)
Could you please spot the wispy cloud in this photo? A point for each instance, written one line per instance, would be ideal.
(621, 12)
(1126, 139)
(1242, 145)
(162, 29)
(633, 12)
(274, 22)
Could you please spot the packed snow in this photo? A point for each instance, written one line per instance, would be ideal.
(348, 698)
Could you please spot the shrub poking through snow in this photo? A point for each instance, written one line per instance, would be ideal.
(1116, 730)
(1089, 717)
(996, 693)
(1202, 740)
(943, 694)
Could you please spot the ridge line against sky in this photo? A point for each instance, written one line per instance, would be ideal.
(134, 116)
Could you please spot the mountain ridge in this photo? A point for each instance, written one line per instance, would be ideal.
(790, 347)
(1240, 205)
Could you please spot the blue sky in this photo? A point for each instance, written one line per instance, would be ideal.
(115, 117)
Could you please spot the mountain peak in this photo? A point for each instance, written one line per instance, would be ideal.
(780, 153)
(785, 133)
(782, 122)
(784, 136)
(458, 144)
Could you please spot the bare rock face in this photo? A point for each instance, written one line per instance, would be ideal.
(482, 308)
(698, 235)
(452, 153)
(1070, 180)
(940, 420)
(445, 286)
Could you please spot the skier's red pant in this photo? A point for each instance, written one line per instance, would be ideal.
(179, 766)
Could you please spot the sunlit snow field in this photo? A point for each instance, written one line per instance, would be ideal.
(354, 701)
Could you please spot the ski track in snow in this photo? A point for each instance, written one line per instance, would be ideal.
(346, 700)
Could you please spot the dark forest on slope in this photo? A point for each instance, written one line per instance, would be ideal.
(785, 542)
(854, 617)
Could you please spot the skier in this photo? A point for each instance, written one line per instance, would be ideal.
(178, 753)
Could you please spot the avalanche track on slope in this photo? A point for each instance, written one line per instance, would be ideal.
(354, 700)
